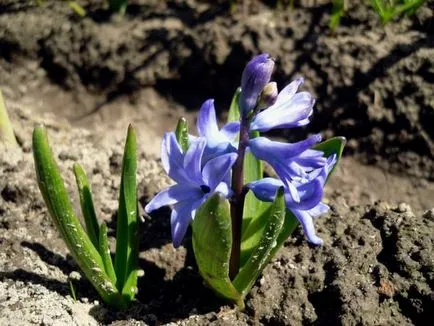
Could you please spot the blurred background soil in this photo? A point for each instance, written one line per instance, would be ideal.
(87, 78)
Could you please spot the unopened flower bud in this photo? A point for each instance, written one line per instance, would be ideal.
(256, 75)
(268, 96)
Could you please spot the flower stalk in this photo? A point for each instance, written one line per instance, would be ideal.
(239, 218)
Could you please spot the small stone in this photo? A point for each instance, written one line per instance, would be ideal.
(386, 288)
(403, 207)
(74, 276)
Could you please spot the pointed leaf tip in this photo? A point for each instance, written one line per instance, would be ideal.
(181, 133)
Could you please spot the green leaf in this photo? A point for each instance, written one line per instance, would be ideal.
(212, 244)
(337, 13)
(79, 10)
(57, 200)
(331, 146)
(119, 6)
(259, 258)
(86, 203)
(254, 223)
(126, 257)
(104, 251)
(288, 227)
(7, 135)
(234, 109)
(182, 134)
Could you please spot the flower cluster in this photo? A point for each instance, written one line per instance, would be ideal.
(205, 168)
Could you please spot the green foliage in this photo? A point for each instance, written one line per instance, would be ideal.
(212, 244)
(119, 6)
(388, 10)
(7, 135)
(182, 134)
(127, 242)
(262, 253)
(74, 5)
(337, 12)
(89, 247)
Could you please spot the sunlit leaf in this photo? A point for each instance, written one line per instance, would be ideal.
(59, 206)
(104, 251)
(234, 109)
(262, 254)
(86, 203)
(126, 257)
(182, 134)
(212, 244)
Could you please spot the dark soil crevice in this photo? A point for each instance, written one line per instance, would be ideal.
(326, 302)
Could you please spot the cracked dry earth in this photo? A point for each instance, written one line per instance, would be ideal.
(376, 267)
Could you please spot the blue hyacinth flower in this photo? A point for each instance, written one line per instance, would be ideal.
(291, 109)
(195, 181)
(310, 192)
(219, 141)
(291, 161)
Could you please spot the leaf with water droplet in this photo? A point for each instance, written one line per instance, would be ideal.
(262, 254)
(86, 202)
(59, 206)
(104, 251)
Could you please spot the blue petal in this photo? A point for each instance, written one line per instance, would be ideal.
(193, 161)
(230, 130)
(217, 168)
(289, 91)
(309, 194)
(265, 189)
(318, 210)
(217, 150)
(207, 120)
(307, 223)
(180, 220)
(286, 113)
(281, 156)
(172, 158)
(331, 161)
(173, 195)
(223, 188)
(182, 214)
(264, 148)
(311, 159)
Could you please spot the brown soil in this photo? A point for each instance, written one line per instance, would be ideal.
(373, 84)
